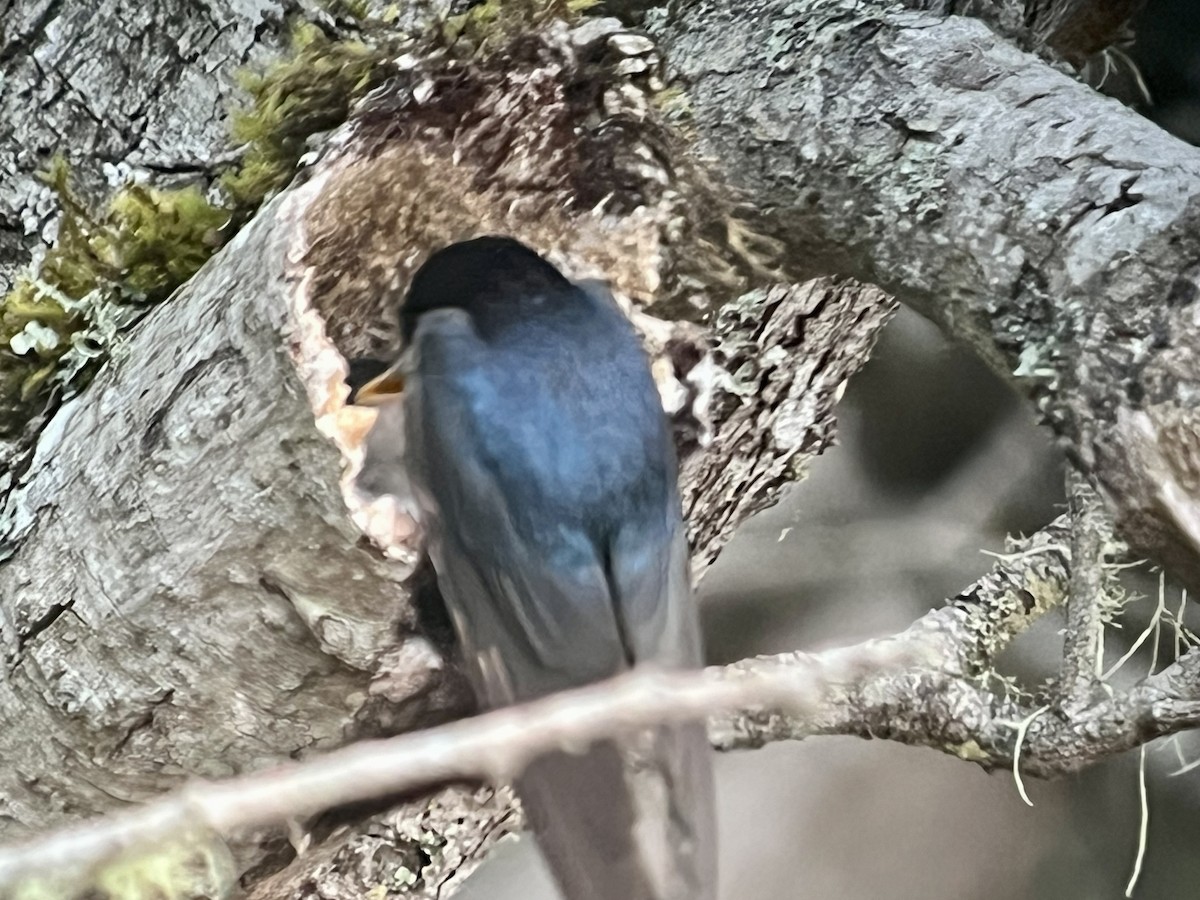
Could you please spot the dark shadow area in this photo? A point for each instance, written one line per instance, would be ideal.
(1166, 50)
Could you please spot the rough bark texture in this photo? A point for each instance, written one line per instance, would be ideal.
(180, 557)
(224, 610)
(1045, 225)
(185, 587)
(123, 91)
(774, 403)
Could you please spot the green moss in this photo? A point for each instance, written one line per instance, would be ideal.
(358, 10)
(970, 751)
(496, 23)
(675, 109)
(190, 865)
(73, 265)
(313, 86)
(143, 245)
(309, 90)
(146, 242)
(157, 239)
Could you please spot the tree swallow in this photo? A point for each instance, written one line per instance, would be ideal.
(543, 469)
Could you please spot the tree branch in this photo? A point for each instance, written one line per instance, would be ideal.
(927, 686)
(1072, 29)
(494, 747)
(1079, 677)
(1050, 229)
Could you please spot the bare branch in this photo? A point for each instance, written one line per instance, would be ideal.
(1079, 676)
(956, 716)
(957, 707)
(928, 686)
(495, 747)
(1061, 251)
(775, 402)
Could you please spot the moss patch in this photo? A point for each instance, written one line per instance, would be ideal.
(357, 10)
(106, 265)
(185, 865)
(144, 244)
(309, 90)
(159, 239)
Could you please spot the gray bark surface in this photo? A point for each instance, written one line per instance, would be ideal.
(183, 593)
(1045, 225)
(125, 89)
(190, 583)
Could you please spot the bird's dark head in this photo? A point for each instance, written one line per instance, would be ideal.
(496, 280)
(492, 278)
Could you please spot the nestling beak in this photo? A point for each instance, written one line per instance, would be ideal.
(374, 383)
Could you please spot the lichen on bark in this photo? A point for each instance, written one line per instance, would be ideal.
(102, 270)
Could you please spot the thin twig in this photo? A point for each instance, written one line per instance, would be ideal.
(494, 747)
(1085, 625)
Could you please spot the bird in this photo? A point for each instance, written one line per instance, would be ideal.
(546, 484)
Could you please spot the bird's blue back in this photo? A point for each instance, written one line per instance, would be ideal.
(541, 453)
(581, 435)
(542, 462)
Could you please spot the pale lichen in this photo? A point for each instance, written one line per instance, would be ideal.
(101, 271)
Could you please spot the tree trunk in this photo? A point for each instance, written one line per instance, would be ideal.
(198, 577)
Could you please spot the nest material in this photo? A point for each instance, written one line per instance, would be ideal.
(555, 139)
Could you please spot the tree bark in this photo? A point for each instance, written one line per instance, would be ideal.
(1048, 227)
(197, 575)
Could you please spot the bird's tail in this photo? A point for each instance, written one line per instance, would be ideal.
(633, 821)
